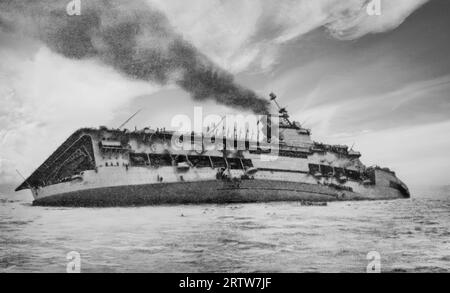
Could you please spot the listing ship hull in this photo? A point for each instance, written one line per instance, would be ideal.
(111, 192)
(113, 167)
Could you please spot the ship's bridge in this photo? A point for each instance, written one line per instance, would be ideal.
(292, 133)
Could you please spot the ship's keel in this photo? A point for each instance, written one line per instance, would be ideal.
(215, 191)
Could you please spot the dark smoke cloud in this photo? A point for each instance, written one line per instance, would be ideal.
(134, 39)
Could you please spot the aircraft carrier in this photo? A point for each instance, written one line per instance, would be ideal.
(119, 167)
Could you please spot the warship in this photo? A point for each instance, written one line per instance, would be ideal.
(119, 167)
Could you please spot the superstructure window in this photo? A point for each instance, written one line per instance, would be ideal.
(352, 174)
(160, 160)
(338, 172)
(200, 161)
(138, 159)
(292, 154)
(181, 159)
(326, 170)
(247, 163)
(313, 168)
(218, 162)
(234, 163)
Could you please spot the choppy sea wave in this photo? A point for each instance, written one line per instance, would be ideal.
(410, 236)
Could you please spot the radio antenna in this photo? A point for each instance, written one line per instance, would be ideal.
(24, 179)
(216, 126)
(282, 111)
(128, 120)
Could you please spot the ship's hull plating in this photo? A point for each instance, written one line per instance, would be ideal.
(116, 168)
(210, 191)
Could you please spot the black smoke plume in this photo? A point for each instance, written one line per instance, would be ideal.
(132, 37)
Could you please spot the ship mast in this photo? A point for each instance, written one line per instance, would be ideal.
(25, 180)
(281, 110)
(128, 120)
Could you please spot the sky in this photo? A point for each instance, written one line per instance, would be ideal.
(378, 82)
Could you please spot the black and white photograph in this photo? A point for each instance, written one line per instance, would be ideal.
(236, 138)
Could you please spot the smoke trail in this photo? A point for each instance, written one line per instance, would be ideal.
(134, 39)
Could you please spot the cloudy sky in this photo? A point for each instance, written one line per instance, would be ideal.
(380, 82)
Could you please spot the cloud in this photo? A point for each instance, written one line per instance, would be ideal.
(413, 104)
(221, 29)
(133, 38)
(45, 96)
(247, 34)
(347, 22)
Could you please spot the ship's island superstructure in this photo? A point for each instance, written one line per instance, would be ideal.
(114, 167)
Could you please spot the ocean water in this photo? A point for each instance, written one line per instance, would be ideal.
(410, 236)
